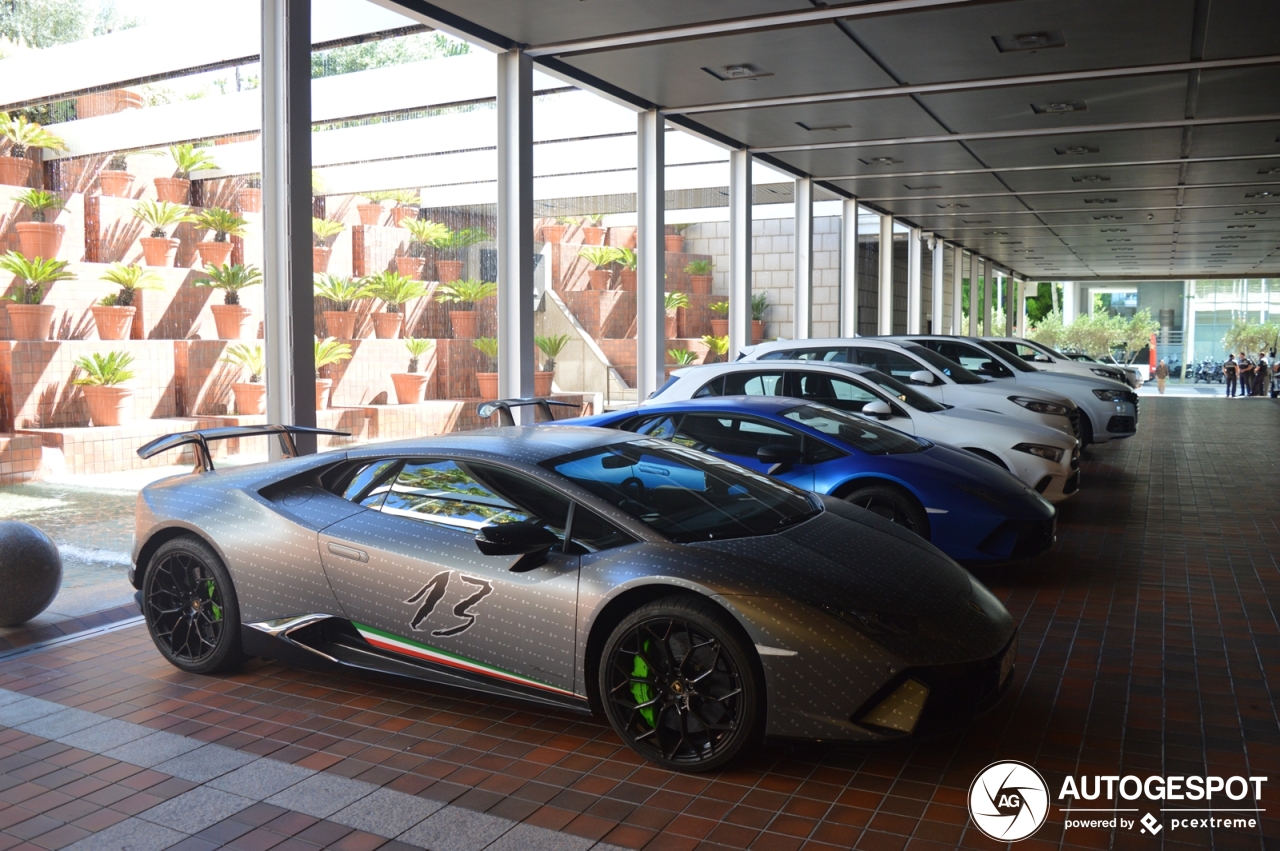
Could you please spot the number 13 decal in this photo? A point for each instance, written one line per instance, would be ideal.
(433, 592)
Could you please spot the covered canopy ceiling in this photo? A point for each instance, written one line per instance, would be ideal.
(1065, 140)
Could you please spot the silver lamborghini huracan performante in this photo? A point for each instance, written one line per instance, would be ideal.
(696, 605)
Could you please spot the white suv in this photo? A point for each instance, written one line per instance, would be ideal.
(1043, 357)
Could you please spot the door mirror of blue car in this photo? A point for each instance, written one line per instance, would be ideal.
(878, 409)
(922, 376)
(515, 539)
(779, 458)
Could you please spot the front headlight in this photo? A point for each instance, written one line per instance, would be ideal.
(1049, 453)
(1112, 395)
(1040, 406)
(874, 624)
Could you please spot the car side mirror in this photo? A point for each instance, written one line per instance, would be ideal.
(515, 539)
(921, 376)
(878, 409)
(779, 458)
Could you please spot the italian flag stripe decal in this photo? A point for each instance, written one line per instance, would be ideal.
(407, 647)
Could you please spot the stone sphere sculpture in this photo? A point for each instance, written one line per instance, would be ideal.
(30, 572)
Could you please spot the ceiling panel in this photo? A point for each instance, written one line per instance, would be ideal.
(1234, 171)
(1257, 194)
(967, 207)
(1264, 228)
(1226, 140)
(1231, 92)
(1099, 218)
(924, 187)
(1102, 202)
(938, 156)
(851, 121)
(1103, 178)
(1241, 28)
(1244, 214)
(1119, 146)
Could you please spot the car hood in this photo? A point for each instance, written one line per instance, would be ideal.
(847, 557)
(1017, 431)
(1070, 383)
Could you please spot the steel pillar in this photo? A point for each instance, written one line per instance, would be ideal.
(802, 327)
(739, 251)
(914, 285)
(849, 268)
(938, 325)
(650, 253)
(884, 325)
(988, 297)
(957, 287)
(974, 294)
(515, 225)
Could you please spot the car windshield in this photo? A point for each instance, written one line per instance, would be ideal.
(684, 494)
(1051, 352)
(1015, 363)
(1082, 358)
(863, 434)
(907, 395)
(946, 366)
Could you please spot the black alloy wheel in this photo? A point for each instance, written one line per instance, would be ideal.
(190, 607)
(680, 685)
(893, 505)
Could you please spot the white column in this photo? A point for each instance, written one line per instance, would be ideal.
(849, 268)
(988, 297)
(739, 251)
(914, 286)
(515, 225)
(957, 284)
(289, 323)
(884, 325)
(1189, 326)
(974, 304)
(939, 287)
(651, 341)
(802, 327)
(1068, 302)
(1024, 288)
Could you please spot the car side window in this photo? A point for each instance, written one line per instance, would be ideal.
(663, 426)
(714, 387)
(369, 486)
(753, 384)
(889, 362)
(829, 390)
(465, 495)
(723, 435)
(832, 354)
(971, 358)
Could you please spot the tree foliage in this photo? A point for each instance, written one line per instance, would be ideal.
(1250, 337)
(44, 23)
(384, 52)
(1098, 335)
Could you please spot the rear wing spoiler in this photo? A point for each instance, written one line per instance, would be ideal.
(200, 440)
(503, 408)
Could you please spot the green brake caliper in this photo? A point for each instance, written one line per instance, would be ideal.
(209, 588)
(642, 692)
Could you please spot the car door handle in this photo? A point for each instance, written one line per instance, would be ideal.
(348, 552)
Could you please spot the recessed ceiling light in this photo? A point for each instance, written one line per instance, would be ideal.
(1252, 213)
(953, 206)
(1120, 239)
(1234, 236)
(1029, 257)
(1076, 150)
(1101, 200)
(1121, 248)
(1240, 227)
(1029, 41)
(1113, 230)
(1273, 170)
(1108, 218)
(828, 127)
(976, 221)
(920, 188)
(881, 161)
(1059, 107)
(1091, 178)
(730, 73)
(1221, 254)
(1012, 242)
(1263, 194)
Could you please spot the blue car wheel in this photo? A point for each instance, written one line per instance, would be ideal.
(892, 504)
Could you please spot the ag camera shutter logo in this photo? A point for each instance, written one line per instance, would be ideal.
(1008, 801)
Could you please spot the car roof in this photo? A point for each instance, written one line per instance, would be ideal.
(740, 404)
(822, 341)
(711, 370)
(529, 444)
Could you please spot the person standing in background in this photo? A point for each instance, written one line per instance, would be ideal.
(1229, 370)
(1261, 376)
(1162, 375)
(1246, 374)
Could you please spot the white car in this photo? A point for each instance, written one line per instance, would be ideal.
(1044, 458)
(930, 373)
(1043, 357)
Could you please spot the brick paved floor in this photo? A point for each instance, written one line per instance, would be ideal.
(1149, 645)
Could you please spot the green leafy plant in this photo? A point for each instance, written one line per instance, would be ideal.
(720, 308)
(27, 134)
(682, 357)
(223, 223)
(593, 220)
(551, 346)
(39, 203)
(466, 293)
(457, 241)
(104, 370)
(34, 274)
(250, 358)
(627, 259)
(162, 215)
(188, 158)
(394, 289)
(231, 278)
(324, 230)
(698, 267)
(118, 162)
(341, 290)
(759, 304)
(253, 182)
(599, 255)
(417, 347)
(330, 351)
(672, 301)
(129, 278)
(378, 197)
(487, 346)
(718, 345)
(405, 197)
(423, 233)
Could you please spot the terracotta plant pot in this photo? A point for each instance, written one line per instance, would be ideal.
(399, 214)
(411, 387)
(757, 330)
(675, 243)
(670, 332)
(213, 253)
(251, 399)
(542, 382)
(40, 239)
(386, 326)
(249, 199)
(598, 279)
(488, 382)
(592, 236)
(320, 258)
(464, 324)
(15, 171)
(232, 321)
(340, 324)
(114, 323)
(107, 103)
(448, 271)
(324, 386)
(175, 190)
(157, 251)
(30, 321)
(109, 406)
(116, 184)
(627, 280)
(719, 327)
(370, 214)
(552, 233)
(700, 284)
(411, 267)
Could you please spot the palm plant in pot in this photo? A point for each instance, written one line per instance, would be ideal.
(719, 327)
(759, 304)
(674, 239)
(187, 159)
(29, 317)
(550, 348)
(673, 302)
(601, 257)
(593, 229)
(249, 196)
(15, 167)
(324, 231)
(451, 245)
(371, 210)
(411, 386)
(224, 224)
(40, 237)
(343, 292)
(159, 249)
(487, 375)
(115, 179)
(231, 317)
(251, 395)
(464, 296)
(554, 232)
(113, 315)
(677, 358)
(109, 403)
(699, 272)
(627, 275)
(408, 203)
(327, 353)
(423, 233)
(717, 346)
(393, 290)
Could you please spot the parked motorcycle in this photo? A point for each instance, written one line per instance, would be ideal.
(1210, 372)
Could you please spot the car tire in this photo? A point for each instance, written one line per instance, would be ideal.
(190, 607)
(1086, 431)
(681, 685)
(893, 504)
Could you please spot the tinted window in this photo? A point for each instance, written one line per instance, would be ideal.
(763, 383)
(870, 437)
(839, 393)
(467, 496)
(662, 426)
(949, 368)
(834, 354)
(726, 435)
(908, 395)
(370, 484)
(683, 494)
(888, 361)
(1006, 359)
(970, 357)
